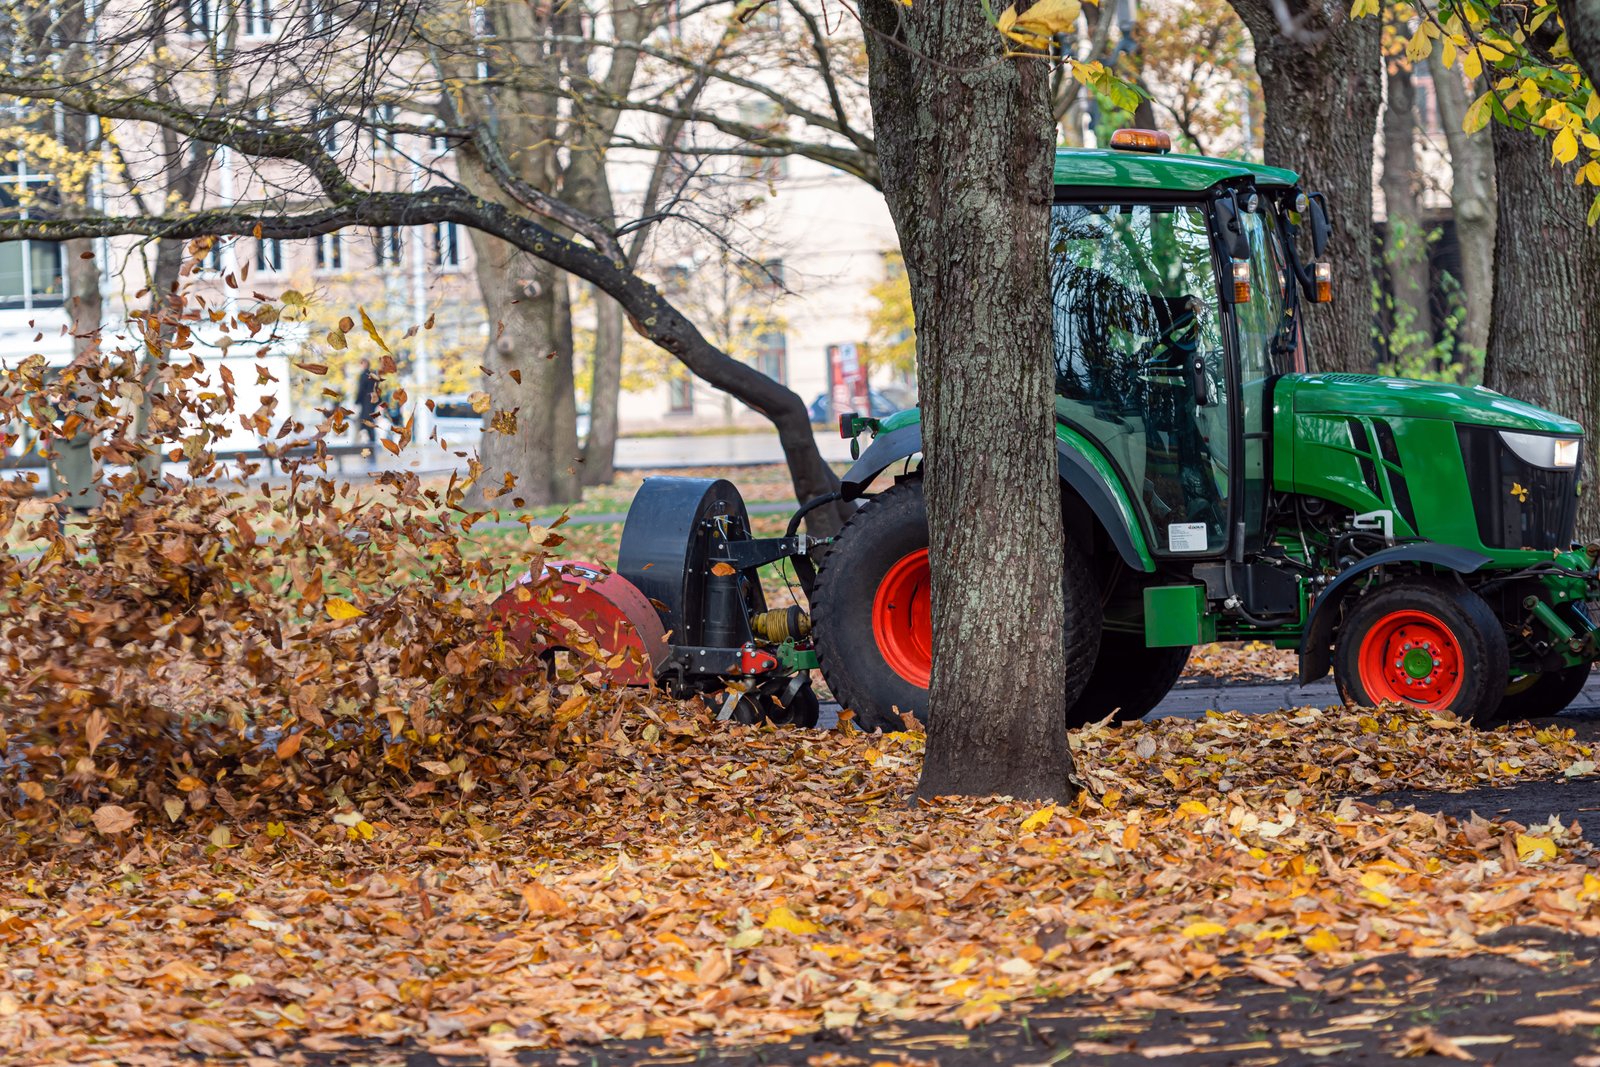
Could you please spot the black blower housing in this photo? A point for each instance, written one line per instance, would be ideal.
(677, 533)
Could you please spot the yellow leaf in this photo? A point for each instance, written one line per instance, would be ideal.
(1535, 849)
(1193, 807)
(1321, 940)
(372, 331)
(1477, 116)
(965, 963)
(1591, 888)
(1471, 64)
(1007, 19)
(781, 918)
(1204, 929)
(1528, 92)
(1592, 111)
(341, 610)
(1043, 20)
(718, 862)
(1038, 818)
(746, 938)
(1420, 46)
(1566, 147)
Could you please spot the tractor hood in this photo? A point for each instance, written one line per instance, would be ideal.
(1370, 394)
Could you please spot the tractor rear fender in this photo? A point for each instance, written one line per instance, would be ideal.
(1316, 646)
(1084, 473)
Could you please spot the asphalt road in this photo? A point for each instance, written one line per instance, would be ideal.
(1192, 698)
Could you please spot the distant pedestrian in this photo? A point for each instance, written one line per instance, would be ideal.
(367, 403)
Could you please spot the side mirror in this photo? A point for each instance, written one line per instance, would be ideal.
(1321, 227)
(1234, 238)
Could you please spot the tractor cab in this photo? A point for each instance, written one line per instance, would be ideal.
(1176, 299)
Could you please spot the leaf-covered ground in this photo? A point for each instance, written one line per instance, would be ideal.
(660, 875)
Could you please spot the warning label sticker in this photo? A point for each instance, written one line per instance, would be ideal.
(1186, 537)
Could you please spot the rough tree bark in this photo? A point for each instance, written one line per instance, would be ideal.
(966, 141)
(1472, 202)
(528, 359)
(605, 389)
(1405, 245)
(1582, 21)
(1320, 79)
(1544, 343)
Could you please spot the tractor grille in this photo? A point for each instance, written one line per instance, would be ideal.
(1518, 505)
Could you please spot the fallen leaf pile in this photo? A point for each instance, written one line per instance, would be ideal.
(1246, 661)
(273, 777)
(661, 874)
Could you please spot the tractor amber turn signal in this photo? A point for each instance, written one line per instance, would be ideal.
(1324, 279)
(1133, 140)
(1241, 281)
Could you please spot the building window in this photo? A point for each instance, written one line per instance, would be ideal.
(772, 353)
(212, 260)
(382, 128)
(327, 130)
(32, 273)
(446, 245)
(388, 246)
(440, 144)
(197, 17)
(269, 255)
(680, 395)
(768, 276)
(330, 252)
(319, 16)
(257, 18)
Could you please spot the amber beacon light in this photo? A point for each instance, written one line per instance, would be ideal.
(1132, 140)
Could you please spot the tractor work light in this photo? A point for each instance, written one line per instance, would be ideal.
(1132, 140)
(1323, 275)
(1542, 450)
(1241, 281)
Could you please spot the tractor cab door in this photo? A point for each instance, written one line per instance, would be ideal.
(1140, 361)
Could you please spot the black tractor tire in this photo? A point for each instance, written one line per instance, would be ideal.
(888, 529)
(1544, 694)
(1128, 681)
(1400, 628)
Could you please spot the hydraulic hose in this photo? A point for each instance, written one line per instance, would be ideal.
(806, 508)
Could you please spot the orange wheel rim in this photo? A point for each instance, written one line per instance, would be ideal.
(902, 619)
(1413, 658)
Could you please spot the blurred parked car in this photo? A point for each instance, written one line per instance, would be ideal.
(822, 407)
(455, 421)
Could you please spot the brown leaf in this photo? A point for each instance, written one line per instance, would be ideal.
(543, 901)
(112, 819)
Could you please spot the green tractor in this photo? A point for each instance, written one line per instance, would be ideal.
(1415, 537)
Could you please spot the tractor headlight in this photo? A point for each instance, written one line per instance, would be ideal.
(1539, 450)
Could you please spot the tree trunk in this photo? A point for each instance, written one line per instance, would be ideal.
(1544, 342)
(965, 140)
(1321, 113)
(529, 362)
(1472, 202)
(605, 389)
(1582, 21)
(1405, 244)
(72, 466)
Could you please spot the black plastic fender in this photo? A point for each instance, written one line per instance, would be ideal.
(1316, 645)
(1075, 470)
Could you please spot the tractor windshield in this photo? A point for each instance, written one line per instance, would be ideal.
(1140, 361)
